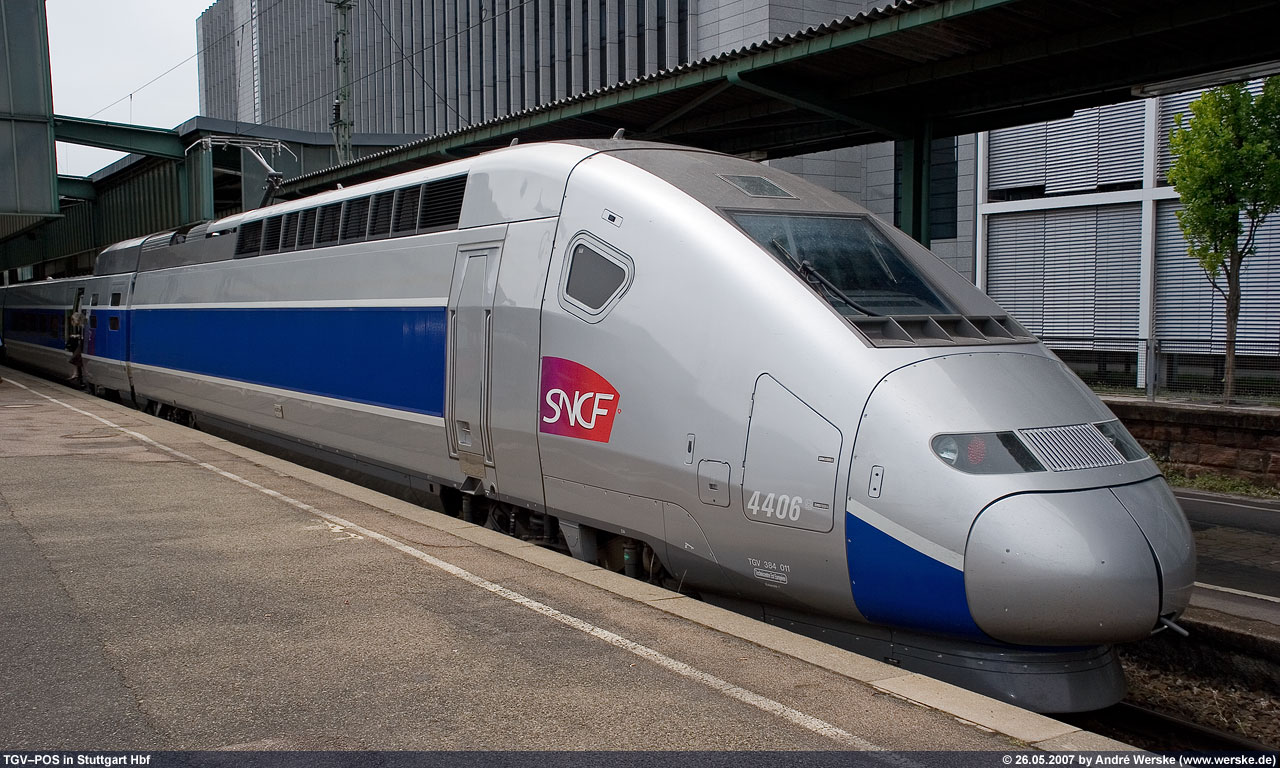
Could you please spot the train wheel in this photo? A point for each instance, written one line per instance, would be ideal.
(451, 502)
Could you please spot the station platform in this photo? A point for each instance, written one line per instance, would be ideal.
(169, 590)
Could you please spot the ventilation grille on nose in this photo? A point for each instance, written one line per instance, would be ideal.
(1080, 446)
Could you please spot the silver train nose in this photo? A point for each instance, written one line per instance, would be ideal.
(1079, 568)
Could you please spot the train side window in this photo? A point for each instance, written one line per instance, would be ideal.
(595, 277)
(115, 299)
(93, 300)
(114, 322)
(93, 321)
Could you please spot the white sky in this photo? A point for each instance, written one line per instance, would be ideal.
(104, 50)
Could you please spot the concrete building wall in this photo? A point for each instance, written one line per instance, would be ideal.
(429, 67)
(433, 67)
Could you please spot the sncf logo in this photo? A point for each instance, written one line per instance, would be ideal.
(576, 401)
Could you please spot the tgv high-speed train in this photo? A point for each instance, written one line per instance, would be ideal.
(688, 365)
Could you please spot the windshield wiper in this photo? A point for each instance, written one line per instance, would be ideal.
(812, 276)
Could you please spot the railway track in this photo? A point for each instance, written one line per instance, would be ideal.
(1160, 732)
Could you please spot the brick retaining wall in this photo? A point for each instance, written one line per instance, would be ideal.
(1243, 442)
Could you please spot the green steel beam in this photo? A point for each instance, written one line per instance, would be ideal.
(154, 142)
(76, 188)
(812, 101)
(916, 179)
(688, 107)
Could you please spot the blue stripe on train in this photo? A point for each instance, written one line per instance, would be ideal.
(896, 585)
(44, 327)
(386, 356)
(101, 340)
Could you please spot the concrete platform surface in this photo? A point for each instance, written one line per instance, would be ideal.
(166, 589)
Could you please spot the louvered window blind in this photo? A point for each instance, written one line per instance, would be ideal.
(1191, 317)
(1070, 275)
(1097, 147)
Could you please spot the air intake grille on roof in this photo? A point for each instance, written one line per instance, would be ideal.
(355, 221)
(198, 231)
(442, 204)
(380, 219)
(249, 240)
(1080, 446)
(307, 229)
(327, 230)
(406, 215)
(271, 235)
(289, 238)
(156, 242)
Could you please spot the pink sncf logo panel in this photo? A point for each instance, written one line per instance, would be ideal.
(576, 401)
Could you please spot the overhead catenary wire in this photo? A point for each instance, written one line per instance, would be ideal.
(261, 11)
(170, 70)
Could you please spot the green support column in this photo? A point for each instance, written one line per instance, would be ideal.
(184, 192)
(915, 184)
(204, 183)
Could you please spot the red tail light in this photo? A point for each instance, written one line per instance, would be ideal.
(977, 450)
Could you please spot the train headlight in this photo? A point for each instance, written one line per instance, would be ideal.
(1119, 437)
(947, 448)
(986, 453)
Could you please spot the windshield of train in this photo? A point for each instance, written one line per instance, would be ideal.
(848, 260)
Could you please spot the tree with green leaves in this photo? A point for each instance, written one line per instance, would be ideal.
(1226, 169)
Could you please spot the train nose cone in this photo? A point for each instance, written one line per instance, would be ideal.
(1063, 569)
(1156, 511)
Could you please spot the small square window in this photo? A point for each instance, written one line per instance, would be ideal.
(114, 323)
(593, 278)
(115, 299)
(757, 186)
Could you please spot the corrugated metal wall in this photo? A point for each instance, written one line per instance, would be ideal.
(146, 202)
(428, 67)
(71, 234)
(135, 204)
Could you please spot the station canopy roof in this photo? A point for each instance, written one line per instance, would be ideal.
(916, 68)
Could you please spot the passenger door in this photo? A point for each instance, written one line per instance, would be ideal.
(470, 331)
